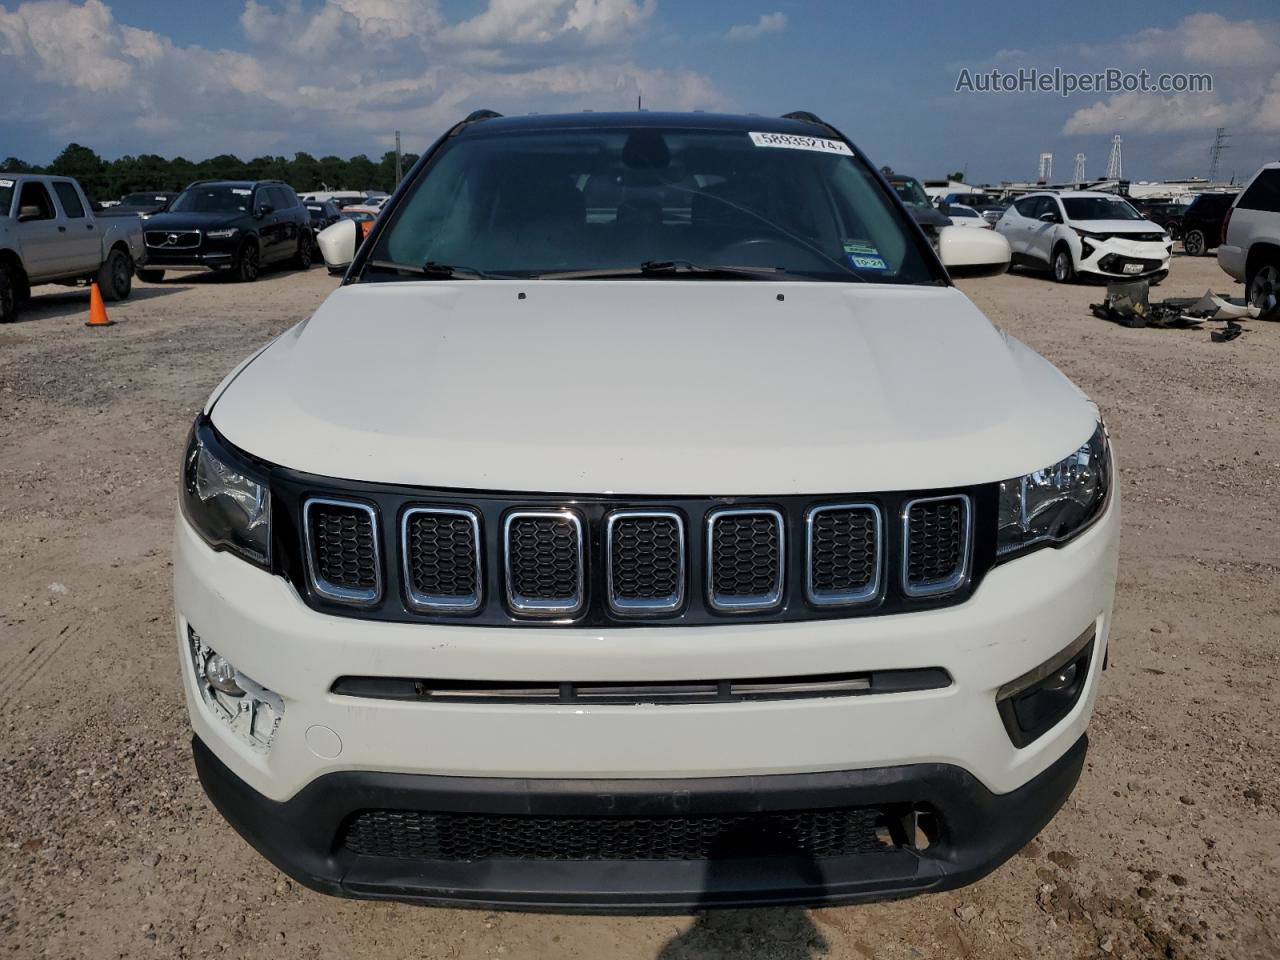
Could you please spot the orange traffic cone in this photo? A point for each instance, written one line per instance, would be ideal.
(97, 309)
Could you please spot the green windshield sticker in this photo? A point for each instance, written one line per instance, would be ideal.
(864, 256)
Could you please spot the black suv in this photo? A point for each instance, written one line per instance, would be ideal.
(1203, 221)
(323, 213)
(240, 226)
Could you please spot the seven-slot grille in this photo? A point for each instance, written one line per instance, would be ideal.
(342, 550)
(745, 551)
(462, 837)
(689, 562)
(844, 554)
(544, 562)
(936, 533)
(645, 552)
(442, 568)
(173, 239)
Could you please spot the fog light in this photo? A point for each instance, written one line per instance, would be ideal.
(1030, 705)
(251, 710)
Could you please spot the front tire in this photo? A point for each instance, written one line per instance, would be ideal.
(248, 263)
(115, 276)
(306, 252)
(1264, 287)
(150, 276)
(8, 295)
(1064, 271)
(1194, 244)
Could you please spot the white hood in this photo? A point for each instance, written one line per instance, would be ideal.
(1118, 226)
(653, 387)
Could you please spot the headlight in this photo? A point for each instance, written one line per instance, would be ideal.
(222, 234)
(227, 504)
(1057, 502)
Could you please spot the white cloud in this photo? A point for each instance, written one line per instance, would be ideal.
(1210, 39)
(768, 23)
(1267, 116)
(339, 76)
(1149, 113)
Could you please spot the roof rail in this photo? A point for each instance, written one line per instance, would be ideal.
(806, 116)
(475, 115)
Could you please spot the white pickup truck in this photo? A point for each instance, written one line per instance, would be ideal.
(49, 234)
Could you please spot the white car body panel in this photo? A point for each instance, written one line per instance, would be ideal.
(653, 388)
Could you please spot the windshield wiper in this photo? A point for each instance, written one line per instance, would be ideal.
(658, 268)
(433, 270)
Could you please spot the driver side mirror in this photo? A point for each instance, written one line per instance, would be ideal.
(973, 253)
(1050, 216)
(263, 210)
(338, 244)
(28, 212)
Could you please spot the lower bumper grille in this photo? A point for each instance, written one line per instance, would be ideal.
(415, 835)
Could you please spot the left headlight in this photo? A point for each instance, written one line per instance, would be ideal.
(226, 234)
(226, 501)
(1053, 504)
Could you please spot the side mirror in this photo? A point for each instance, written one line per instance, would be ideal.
(1050, 217)
(973, 253)
(338, 244)
(263, 210)
(29, 212)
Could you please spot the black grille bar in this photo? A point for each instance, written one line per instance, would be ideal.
(843, 554)
(645, 555)
(545, 565)
(937, 533)
(745, 559)
(442, 559)
(342, 550)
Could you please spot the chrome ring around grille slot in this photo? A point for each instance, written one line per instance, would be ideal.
(332, 591)
(845, 598)
(960, 574)
(442, 603)
(624, 606)
(541, 606)
(731, 603)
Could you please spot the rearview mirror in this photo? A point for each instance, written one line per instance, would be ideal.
(338, 244)
(973, 253)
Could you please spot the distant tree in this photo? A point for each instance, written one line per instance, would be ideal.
(304, 172)
(887, 170)
(86, 166)
(14, 165)
(362, 173)
(224, 166)
(333, 172)
(958, 175)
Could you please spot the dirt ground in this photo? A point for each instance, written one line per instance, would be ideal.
(1170, 847)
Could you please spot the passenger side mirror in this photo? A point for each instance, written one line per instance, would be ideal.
(263, 210)
(29, 212)
(973, 253)
(1049, 216)
(338, 244)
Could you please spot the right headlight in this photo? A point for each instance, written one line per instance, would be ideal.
(1053, 504)
(226, 501)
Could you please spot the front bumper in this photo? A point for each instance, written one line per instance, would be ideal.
(976, 831)
(1125, 259)
(160, 259)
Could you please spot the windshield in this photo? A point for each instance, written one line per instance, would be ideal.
(614, 199)
(1099, 208)
(911, 193)
(6, 196)
(212, 200)
(142, 200)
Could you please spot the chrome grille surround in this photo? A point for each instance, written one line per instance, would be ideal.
(332, 591)
(632, 606)
(960, 573)
(822, 598)
(730, 603)
(530, 606)
(173, 239)
(441, 603)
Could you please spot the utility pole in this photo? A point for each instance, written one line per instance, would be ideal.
(1046, 167)
(1115, 163)
(1079, 172)
(1215, 152)
(398, 171)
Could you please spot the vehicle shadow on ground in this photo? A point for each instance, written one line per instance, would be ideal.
(217, 277)
(784, 933)
(65, 303)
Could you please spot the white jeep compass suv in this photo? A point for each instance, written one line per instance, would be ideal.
(647, 523)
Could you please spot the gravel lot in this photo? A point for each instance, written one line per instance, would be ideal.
(1170, 847)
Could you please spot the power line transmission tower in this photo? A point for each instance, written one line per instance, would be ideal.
(1215, 152)
(1078, 176)
(1046, 167)
(1115, 163)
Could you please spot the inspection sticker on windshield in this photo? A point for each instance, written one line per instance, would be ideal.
(240, 190)
(791, 141)
(6, 183)
(863, 256)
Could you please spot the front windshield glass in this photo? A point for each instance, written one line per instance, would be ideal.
(609, 200)
(911, 193)
(6, 196)
(212, 200)
(1099, 208)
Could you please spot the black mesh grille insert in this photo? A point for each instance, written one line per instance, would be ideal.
(441, 555)
(645, 558)
(543, 556)
(842, 561)
(746, 556)
(344, 553)
(415, 835)
(935, 541)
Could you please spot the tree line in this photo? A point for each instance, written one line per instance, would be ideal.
(112, 179)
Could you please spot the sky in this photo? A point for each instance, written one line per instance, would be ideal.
(251, 77)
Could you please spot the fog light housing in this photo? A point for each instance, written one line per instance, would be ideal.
(1033, 703)
(251, 710)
